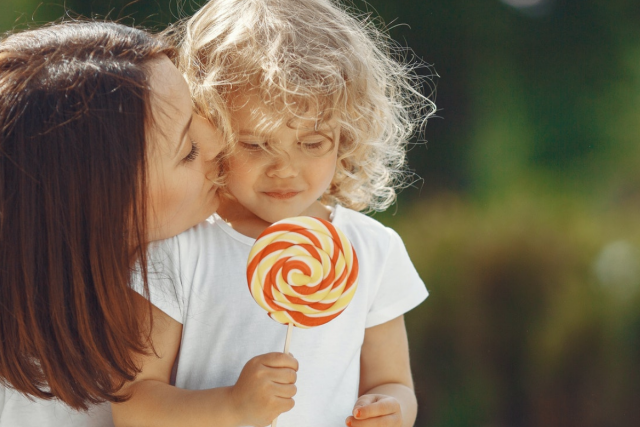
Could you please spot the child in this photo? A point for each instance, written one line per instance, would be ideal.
(319, 115)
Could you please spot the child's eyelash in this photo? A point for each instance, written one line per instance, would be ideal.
(193, 154)
(313, 145)
(252, 147)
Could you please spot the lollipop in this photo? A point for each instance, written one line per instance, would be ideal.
(303, 271)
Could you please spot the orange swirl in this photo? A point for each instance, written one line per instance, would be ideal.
(302, 271)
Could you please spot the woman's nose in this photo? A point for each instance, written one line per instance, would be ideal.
(210, 139)
(211, 142)
(214, 145)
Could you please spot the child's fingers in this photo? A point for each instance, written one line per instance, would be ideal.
(364, 400)
(371, 406)
(391, 420)
(279, 360)
(285, 391)
(375, 410)
(283, 375)
(284, 404)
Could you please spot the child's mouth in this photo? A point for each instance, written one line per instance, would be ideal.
(282, 195)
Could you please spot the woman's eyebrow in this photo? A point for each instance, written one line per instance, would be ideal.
(182, 134)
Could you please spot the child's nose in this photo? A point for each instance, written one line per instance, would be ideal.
(282, 167)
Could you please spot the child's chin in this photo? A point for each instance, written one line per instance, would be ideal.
(272, 217)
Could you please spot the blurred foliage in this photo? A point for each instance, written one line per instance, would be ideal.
(525, 225)
(534, 313)
(525, 96)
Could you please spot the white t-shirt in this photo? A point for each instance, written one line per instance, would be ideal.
(16, 410)
(199, 279)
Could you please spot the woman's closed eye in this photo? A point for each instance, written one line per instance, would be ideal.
(193, 154)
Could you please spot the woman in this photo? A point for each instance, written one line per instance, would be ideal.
(100, 154)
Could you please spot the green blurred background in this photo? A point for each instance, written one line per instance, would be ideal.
(525, 224)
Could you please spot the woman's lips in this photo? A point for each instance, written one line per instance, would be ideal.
(282, 194)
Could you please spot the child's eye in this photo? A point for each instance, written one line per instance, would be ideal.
(317, 148)
(252, 146)
(193, 154)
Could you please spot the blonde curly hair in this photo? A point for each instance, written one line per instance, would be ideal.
(312, 54)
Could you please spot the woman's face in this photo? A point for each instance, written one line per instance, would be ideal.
(182, 150)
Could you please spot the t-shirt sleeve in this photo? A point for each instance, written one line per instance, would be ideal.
(400, 288)
(163, 275)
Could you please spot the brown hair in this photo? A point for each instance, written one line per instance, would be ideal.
(74, 109)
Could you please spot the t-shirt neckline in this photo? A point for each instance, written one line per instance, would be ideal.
(217, 219)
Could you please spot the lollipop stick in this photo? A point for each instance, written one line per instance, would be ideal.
(286, 351)
(288, 340)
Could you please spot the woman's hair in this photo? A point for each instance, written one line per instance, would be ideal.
(311, 55)
(74, 110)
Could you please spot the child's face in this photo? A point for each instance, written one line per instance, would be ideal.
(289, 180)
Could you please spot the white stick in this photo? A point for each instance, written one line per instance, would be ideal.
(287, 341)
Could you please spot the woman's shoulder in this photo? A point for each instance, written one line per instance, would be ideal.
(212, 232)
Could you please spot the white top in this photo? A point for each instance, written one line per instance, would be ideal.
(16, 410)
(202, 284)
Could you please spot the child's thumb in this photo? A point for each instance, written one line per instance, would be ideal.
(360, 403)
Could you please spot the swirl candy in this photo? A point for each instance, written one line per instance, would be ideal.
(303, 271)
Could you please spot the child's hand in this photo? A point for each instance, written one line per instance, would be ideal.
(376, 410)
(265, 388)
